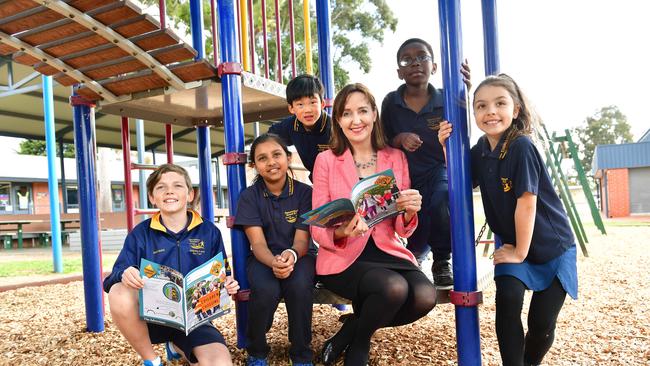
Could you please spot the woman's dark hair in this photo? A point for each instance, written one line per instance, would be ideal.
(266, 137)
(527, 120)
(411, 41)
(338, 142)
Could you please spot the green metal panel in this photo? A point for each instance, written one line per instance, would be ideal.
(595, 213)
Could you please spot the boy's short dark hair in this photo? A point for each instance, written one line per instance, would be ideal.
(154, 178)
(414, 40)
(304, 85)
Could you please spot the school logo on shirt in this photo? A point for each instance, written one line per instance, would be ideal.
(291, 216)
(434, 123)
(507, 184)
(197, 246)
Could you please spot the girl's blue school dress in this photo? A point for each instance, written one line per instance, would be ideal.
(504, 175)
(279, 218)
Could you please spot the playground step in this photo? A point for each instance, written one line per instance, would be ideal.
(111, 239)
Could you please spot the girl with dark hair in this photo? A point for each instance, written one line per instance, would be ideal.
(283, 256)
(368, 266)
(522, 208)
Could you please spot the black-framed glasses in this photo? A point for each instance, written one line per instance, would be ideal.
(408, 61)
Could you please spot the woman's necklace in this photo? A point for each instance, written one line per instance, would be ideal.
(368, 164)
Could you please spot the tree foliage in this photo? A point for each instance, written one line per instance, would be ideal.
(355, 25)
(607, 126)
(37, 147)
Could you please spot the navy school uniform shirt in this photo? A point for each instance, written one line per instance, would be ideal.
(199, 241)
(308, 142)
(397, 118)
(279, 216)
(503, 181)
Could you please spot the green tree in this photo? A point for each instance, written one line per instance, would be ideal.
(607, 126)
(37, 147)
(355, 24)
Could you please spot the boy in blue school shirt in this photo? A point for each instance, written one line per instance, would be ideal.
(308, 127)
(410, 117)
(178, 238)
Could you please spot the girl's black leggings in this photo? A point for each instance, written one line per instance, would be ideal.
(515, 348)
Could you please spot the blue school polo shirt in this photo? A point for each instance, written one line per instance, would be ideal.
(279, 216)
(183, 251)
(308, 142)
(397, 118)
(503, 181)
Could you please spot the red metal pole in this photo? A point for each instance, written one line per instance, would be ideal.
(215, 44)
(266, 41)
(169, 143)
(278, 40)
(292, 40)
(128, 184)
(163, 14)
(251, 35)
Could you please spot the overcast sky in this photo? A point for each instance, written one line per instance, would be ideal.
(570, 57)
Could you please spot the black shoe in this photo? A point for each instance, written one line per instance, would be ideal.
(334, 347)
(442, 274)
(331, 352)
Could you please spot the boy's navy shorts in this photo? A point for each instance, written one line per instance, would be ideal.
(204, 334)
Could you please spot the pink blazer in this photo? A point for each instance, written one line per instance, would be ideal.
(334, 176)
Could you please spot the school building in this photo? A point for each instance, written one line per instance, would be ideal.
(623, 175)
(24, 186)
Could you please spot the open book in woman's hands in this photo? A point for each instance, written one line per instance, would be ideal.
(373, 198)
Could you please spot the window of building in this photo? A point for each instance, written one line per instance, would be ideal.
(117, 195)
(73, 197)
(6, 206)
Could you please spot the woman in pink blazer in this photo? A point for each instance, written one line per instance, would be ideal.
(371, 267)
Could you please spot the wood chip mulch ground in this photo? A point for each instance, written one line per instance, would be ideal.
(608, 325)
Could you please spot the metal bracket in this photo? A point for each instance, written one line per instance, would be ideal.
(229, 68)
(79, 100)
(466, 299)
(234, 158)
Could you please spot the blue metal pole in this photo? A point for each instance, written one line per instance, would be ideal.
(53, 184)
(91, 262)
(235, 140)
(202, 132)
(490, 37)
(325, 63)
(205, 172)
(142, 184)
(460, 183)
(196, 27)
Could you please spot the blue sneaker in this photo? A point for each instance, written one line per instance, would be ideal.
(171, 354)
(254, 361)
(151, 363)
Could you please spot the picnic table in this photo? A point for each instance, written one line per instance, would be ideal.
(19, 224)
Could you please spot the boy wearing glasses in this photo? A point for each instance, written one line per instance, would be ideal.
(308, 127)
(411, 116)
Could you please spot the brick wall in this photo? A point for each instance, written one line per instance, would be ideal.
(618, 198)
